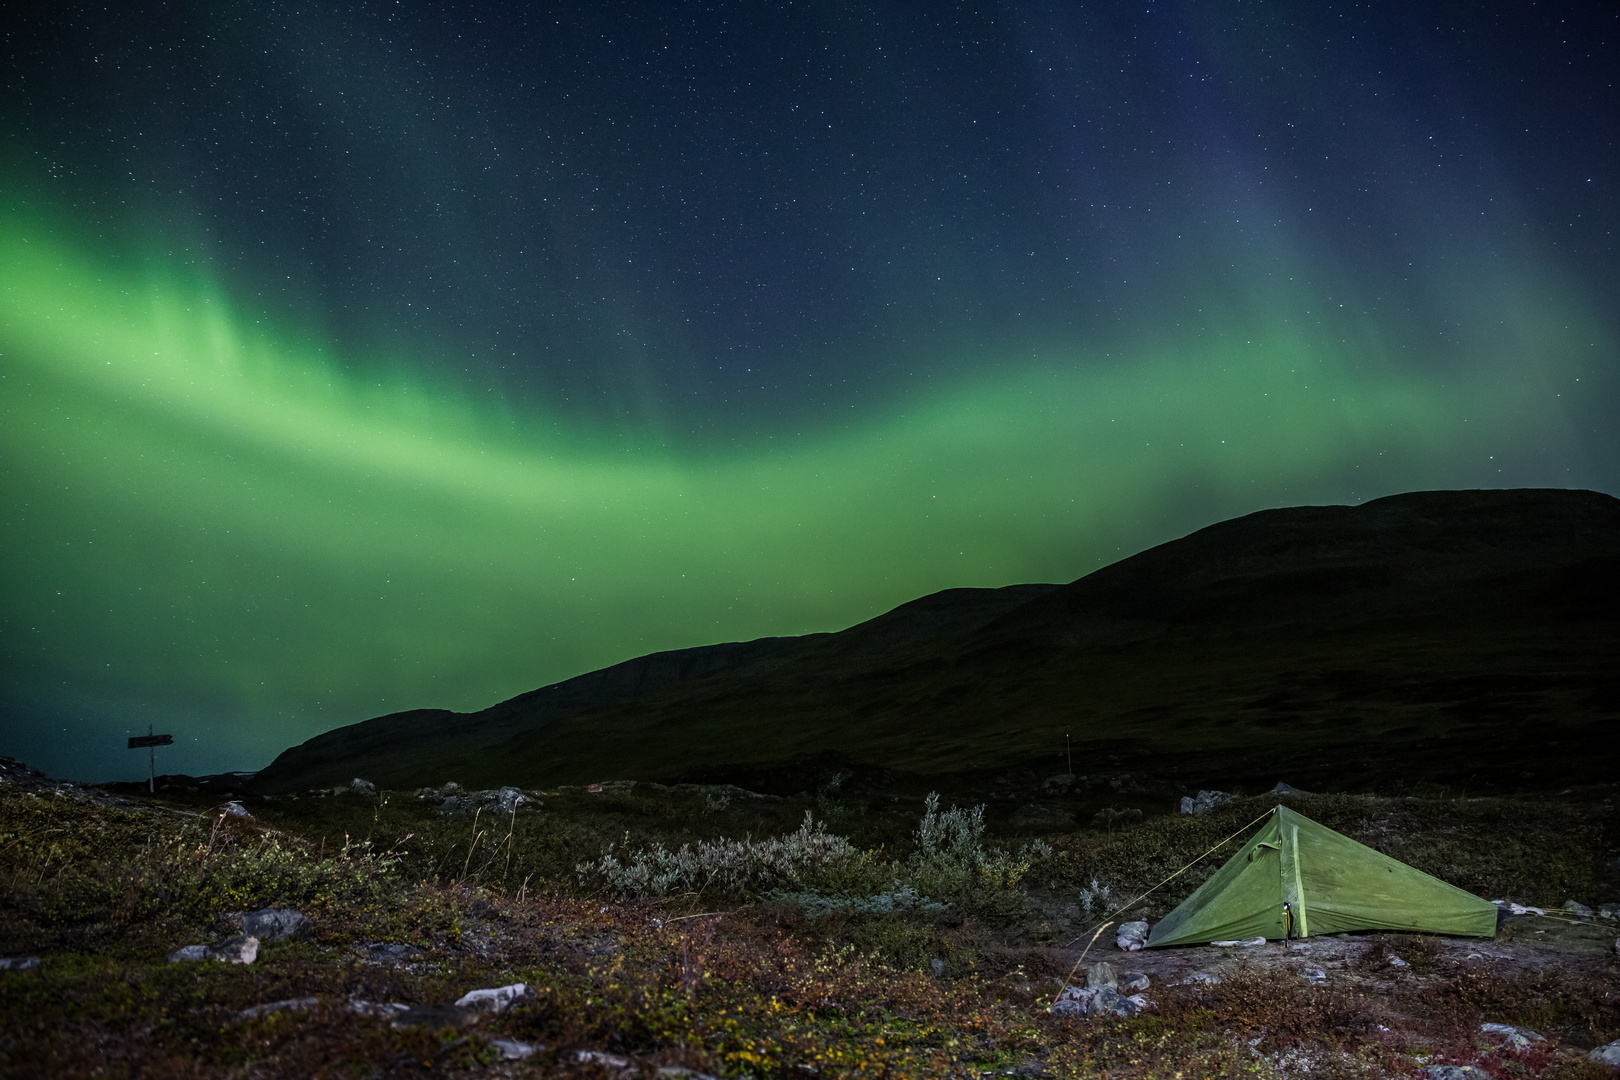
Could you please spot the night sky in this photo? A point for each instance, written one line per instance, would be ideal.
(357, 358)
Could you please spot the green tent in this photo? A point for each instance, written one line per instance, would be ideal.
(1297, 878)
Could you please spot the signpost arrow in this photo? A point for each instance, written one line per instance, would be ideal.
(150, 741)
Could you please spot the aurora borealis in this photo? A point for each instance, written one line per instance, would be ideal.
(382, 357)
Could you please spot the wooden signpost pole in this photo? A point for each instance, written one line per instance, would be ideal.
(151, 742)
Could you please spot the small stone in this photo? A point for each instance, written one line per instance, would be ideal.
(1610, 912)
(295, 1004)
(188, 952)
(242, 949)
(1203, 977)
(382, 1010)
(275, 924)
(362, 787)
(596, 1057)
(388, 952)
(1578, 909)
(495, 998)
(1515, 1038)
(20, 963)
(1133, 982)
(1287, 789)
(1453, 1072)
(1204, 802)
(937, 966)
(1397, 962)
(1608, 1053)
(436, 1016)
(511, 1049)
(1246, 943)
(236, 809)
(1313, 975)
(1101, 975)
(1132, 936)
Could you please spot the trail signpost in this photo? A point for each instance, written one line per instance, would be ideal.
(150, 742)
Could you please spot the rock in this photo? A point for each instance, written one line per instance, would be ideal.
(495, 998)
(362, 787)
(1609, 911)
(1060, 782)
(1578, 909)
(1204, 802)
(1246, 943)
(1617, 946)
(1313, 975)
(937, 966)
(1098, 1001)
(1132, 982)
(1203, 977)
(511, 1049)
(188, 952)
(1608, 1053)
(242, 949)
(295, 1004)
(596, 1057)
(275, 924)
(1287, 789)
(388, 952)
(20, 963)
(236, 809)
(1515, 1038)
(1132, 936)
(1397, 962)
(382, 1010)
(1454, 1072)
(436, 1016)
(1101, 975)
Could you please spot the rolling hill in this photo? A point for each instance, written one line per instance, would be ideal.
(1461, 637)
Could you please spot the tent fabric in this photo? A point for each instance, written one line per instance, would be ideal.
(1299, 878)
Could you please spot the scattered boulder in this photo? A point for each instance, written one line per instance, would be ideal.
(1608, 1053)
(496, 998)
(275, 924)
(1284, 790)
(1132, 935)
(436, 1016)
(388, 952)
(1313, 975)
(1609, 911)
(1098, 1001)
(596, 1057)
(242, 949)
(1578, 909)
(1132, 982)
(1204, 802)
(511, 1049)
(1100, 976)
(295, 1004)
(1515, 1038)
(20, 963)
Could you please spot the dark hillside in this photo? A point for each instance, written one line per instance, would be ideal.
(1455, 636)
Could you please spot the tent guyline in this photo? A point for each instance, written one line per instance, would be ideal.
(1112, 915)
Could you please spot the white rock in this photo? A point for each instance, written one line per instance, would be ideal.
(1313, 975)
(1516, 1038)
(188, 952)
(242, 949)
(1132, 936)
(511, 1049)
(1608, 1053)
(1578, 909)
(1395, 961)
(236, 809)
(1246, 943)
(495, 998)
(596, 1057)
(20, 963)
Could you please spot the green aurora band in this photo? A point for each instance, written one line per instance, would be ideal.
(213, 525)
